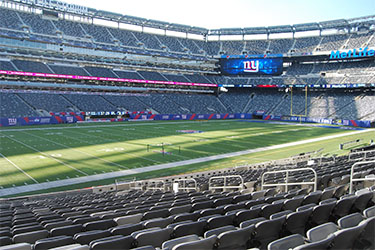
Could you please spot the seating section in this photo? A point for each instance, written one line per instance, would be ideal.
(95, 36)
(268, 219)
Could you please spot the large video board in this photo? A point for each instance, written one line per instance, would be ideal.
(251, 65)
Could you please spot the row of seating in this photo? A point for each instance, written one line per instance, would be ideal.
(354, 231)
(197, 218)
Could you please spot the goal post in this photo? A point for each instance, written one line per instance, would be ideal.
(305, 103)
(163, 148)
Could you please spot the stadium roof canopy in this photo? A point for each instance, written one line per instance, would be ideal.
(362, 22)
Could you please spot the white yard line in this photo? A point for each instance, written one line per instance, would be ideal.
(77, 150)
(52, 184)
(20, 169)
(114, 141)
(47, 155)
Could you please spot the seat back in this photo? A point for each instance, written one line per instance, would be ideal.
(317, 245)
(207, 243)
(345, 238)
(287, 242)
(53, 242)
(154, 238)
(84, 238)
(129, 219)
(235, 239)
(351, 220)
(169, 244)
(321, 232)
(19, 246)
(196, 227)
(113, 242)
(296, 223)
(268, 231)
(30, 237)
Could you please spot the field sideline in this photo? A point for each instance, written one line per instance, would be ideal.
(32, 155)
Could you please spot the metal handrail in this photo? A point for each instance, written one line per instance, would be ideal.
(184, 188)
(156, 188)
(358, 179)
(361, 152)
(225, 182)
(320, 159)
(286, 184)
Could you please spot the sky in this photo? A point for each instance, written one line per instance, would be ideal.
(215, 14)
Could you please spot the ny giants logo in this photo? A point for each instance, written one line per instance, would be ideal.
(251, 66)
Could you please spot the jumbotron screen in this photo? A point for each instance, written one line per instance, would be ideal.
(241, 65)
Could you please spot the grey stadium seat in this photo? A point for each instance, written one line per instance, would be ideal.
(287, 242)
(113, 242)
(30, 237)
(19, 246)
(84, 238)
(206, 244)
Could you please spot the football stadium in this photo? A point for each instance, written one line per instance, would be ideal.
(115, 136)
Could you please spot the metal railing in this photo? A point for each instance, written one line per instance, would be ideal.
(225, 187)
(360, 152)
(287, 183)
(155, 187)
(184, 187)
(352, 179)
(320, 159)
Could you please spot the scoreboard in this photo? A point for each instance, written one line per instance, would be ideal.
(251, 65)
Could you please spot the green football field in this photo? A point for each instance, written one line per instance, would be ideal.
(30, 155)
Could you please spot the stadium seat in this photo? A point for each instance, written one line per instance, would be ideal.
(52, 225)
(30, 237)
(220, 221)
(187, 216)
(343, 207)
(156, 214)
(159, 222)
(317, 245)
(5, 240)
(366, 239)
(321, 232)
(350, 220)
(296, 222)
(20, 230)
(280, 214)
(345, 238)
(235, 239)
(169, 244)
(321, 214)
(72, 247)
(207, 243)
(369, 212)
(287, 242)
(245, 215)
(195, 227)
(19, 246)
(53, 242)
(267, 231)
(218, 230)
(144, 248)
(154, 238)
(180, 209)
(292, 204)
(362, 201)
(99, 225)
(84, 238)
(113, 242)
